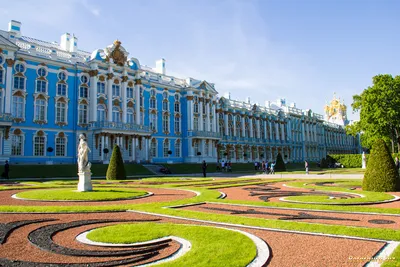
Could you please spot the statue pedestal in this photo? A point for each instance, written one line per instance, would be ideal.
(85, 181)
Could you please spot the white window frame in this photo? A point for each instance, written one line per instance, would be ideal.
(65, 145)
(153, 148)
(35, 111)
(165, 123)
(23, 107)
(22, 136)
(44, 145)
(178, 147)
(66, 112)
(83, 110)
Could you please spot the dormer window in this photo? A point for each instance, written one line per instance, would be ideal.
(62, 76)
(19, 68)
(84, 79)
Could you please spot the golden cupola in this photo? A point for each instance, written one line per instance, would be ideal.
(336, 111)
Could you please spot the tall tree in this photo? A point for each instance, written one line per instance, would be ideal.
(379, 107)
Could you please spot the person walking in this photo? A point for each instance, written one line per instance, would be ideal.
(272, 169)
(204, 167)
(306, 166)
(6, 170)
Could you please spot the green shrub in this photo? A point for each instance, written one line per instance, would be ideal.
(323, 163)
(348, 160)
(280, 164)
(116, 168)
(381, 174)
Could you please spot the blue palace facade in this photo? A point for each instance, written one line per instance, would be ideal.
(52, 92)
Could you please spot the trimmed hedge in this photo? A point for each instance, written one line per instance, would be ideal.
(351, 160)
(382, 174)
(116, 169)
(280, 164)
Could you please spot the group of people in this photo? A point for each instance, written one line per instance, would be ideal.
(224, 166)
(265, 167)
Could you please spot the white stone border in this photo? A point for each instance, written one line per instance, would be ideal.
(110, 200)
(383, 254)
(185, 246)
(262, 257)
(222, 196)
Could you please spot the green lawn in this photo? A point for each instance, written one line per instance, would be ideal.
(97, 194)
(68, 170)
(210, 246)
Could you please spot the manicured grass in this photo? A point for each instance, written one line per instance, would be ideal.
(71, 194)
(185, 168)
(210, 246)
(68, 170)
(394, 260)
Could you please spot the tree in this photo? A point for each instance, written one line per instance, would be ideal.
(116, 168)
(381, 174)
(280, 164)
(379, 107)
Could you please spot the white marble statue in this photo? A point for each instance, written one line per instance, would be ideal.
(85, 181)
(364, 160)
(83, 155)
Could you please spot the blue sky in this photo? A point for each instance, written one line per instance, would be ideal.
(301, 50)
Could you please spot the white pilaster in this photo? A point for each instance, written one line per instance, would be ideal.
(214, 114)
(137, 100)
(110, 82)
(124, 97)
(8, 97)
(208, 116)
(201, 125)
(93, 93)
(226, 124)
(133, 149)
(243, 127)
(102, 147)
(234, 125)
(258, 128)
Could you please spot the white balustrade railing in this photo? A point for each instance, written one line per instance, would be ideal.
(23, 45)
(43, 50)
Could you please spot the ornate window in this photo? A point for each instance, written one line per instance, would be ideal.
(203, 107)
(177, 124)
(238, 126)
(101, 113)
(17, 143)
(153, 121)
(254, 128)
(83, 114)
(153, 148)
(177, 107)
(195, 123)
(165, 148)
(196, 104)
(165, 101)
(18, 110)
(129, 116)
(101, 87)
(141, 98)
(84, 79)
(83, 91)
(61, 89)
(40, 109)
(165, 122)
(178, 148)
(39, 141)
(61, 142)
(153, 104)
(19, 68)
(129, 92)
(41, 86)
(116, 90)
(206, 149)
(19, 83)
(61, 112)
(62, 76)
(42, 72)
(116, 114)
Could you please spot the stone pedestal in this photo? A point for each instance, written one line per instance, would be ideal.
(363, 161)
(85, 181)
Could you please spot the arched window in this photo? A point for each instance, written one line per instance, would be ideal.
(165, 123)
(153, 148)
(129, 92)
(101, 87)
(116, 115)
(222, 127)
(177, 124)
(254, 128)
(165, 148)
(17, 143)
(82, 114)
(19, 78)
(101, 113)
(40, 109)
(129, 116)
(195, 123)
(165, 102)
(39, 141)
(153, 121)
(83, 91)
(178, 148)
(230, 128)
(18, 110)
(239, 127)
(196, 105)
(61, 112)
(153, 104)
(61, 142)
(116, 90)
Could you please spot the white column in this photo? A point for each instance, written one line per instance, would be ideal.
(8, 97)
(102, 147)
(251, 128)
(93, 94)
(215, 126)
(208, 116)
(226, 124)
(217, 122)
(277, 131)
(191, 115)
(270, 130)
(283, 131)
(258, 128)
(201, 128)
(234, 125)
(146, 147)
(124, 97)
(265, 130)
(133, 149)
(243, 127)
(137, 99)
(109, 95)
(203, 147)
